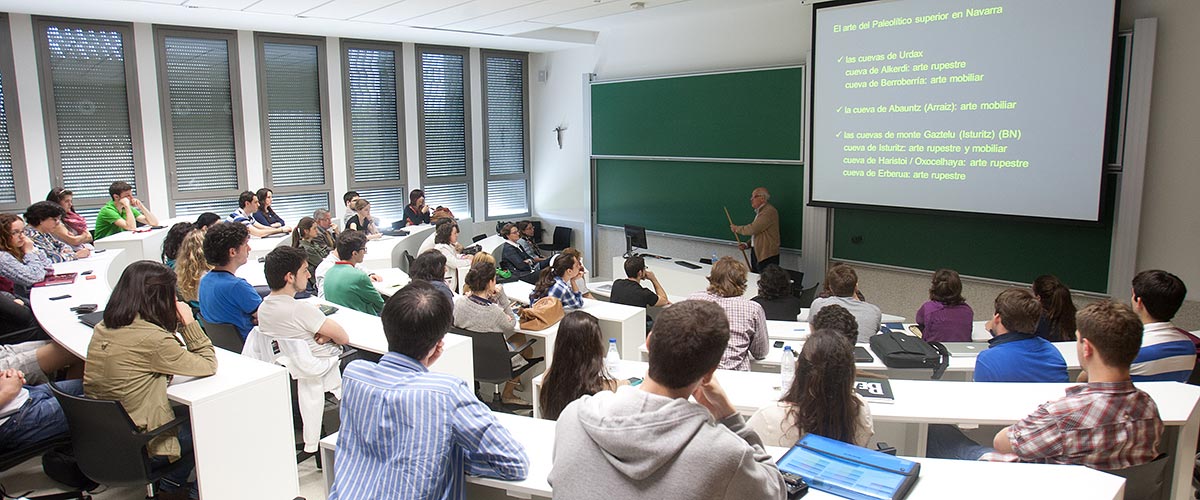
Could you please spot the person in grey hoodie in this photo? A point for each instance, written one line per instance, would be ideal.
(651, 441)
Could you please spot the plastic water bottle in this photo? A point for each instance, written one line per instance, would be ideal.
(714, 258)
(612, 360)
(787, 369)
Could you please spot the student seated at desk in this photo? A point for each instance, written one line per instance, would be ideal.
(746, 319)
(478, 311)
(42, 222)
(629, 291)
(445, 240)
(74, 228)
(416, 212)
(430, 267)
(1106, 424)
(561, 281)
(224, 297)
(514, 258)
(650, 441)
(305, 237)
(775, 294)
(526, 230)
(265, 215)
(327, 232)
(282, 316)
(170, 244)
(362, 220)
(1057, 323)
(407, 432)
(191, 266)
(345, 284)
(501, 297)
(206, 220)
(1014, 353)
(842, 282)
(21, 262)
(578, 369)
(1166, 353)
(29, 413)
(247, 206)
(134, 353)
(821, 399)
(122, 213)
(946, 317)
(328, 263)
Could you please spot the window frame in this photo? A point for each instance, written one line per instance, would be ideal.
(260, 39)
(16, 138)
(401, 145)
(133, 108)
(468, 178)
(174, 195)
(484, 54)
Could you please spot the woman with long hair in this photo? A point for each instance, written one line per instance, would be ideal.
(170, 244)
(1057, 323)
(561, 281)
(74, 229)
(445, 240)
(206, 220)
(416, 212)
(578, 367)
(946, 317)
(478, 311)
(134, 353)
(265, 214)
(775, 294)
(20, 260)
(304, 237)
(361, 220)
(821, 399)
(190, 266)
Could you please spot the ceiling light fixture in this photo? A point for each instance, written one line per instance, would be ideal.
(637, 5)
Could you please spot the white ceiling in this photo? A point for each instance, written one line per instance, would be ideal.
(559, 24)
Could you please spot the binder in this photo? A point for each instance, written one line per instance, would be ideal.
(849, 471)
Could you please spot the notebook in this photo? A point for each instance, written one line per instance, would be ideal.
(965, 349)
(861, 355)
(92, 319)
(57, 279)
(849, 471)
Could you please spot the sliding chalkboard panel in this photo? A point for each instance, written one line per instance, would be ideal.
(687, 197)
(744, 115)
(1001, 248)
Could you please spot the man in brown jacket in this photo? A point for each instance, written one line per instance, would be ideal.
(763, 232)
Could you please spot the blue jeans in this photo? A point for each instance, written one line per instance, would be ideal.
(946, 441)
(177, 478)
(40, 418)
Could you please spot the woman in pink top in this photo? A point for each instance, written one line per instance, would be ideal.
(946, 317)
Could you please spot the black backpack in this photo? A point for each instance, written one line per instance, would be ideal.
(899, 350)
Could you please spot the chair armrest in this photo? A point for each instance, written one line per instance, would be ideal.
(522, 347)
(347, 352)
(167, 426)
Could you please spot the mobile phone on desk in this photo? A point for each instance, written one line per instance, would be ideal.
(634, 381)
(99, 250)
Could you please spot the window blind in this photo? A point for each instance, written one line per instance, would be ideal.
(293, 207)
(453, 196)
(201, 114)
(507, 197)
(294, 121)
(91, 108)
(193, 209)
(8, 185)
(505, 124)
(443, 103)
(387, 204)
(373, 118)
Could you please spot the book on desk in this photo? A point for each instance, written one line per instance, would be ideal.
(874, 390)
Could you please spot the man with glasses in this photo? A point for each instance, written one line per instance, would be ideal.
(763, 232)
(345, 284)
(328, 233)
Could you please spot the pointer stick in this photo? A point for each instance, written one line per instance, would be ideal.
(738, 239)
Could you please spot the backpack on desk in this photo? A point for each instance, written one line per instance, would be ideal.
(899, 350)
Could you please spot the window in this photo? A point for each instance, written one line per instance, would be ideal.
(505, 133)
(93, 129)
(201, 112)
(13, 185)
(294, 107)
(444, 131)
(374, 132)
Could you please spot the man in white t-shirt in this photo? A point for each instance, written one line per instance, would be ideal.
(282, 316)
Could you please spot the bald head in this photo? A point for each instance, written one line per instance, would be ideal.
(759, 196)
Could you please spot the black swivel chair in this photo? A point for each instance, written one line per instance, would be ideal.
(120, 458)
(223, 335)
(797, 282)
(476, 238)
(492, 361)
(1144, 482)
(808, 295)
(18, 456)
(562, 239)
(408, 259)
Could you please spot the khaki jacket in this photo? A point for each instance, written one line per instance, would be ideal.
(133, 365)
(764, 232)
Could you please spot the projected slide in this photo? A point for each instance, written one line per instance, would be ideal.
(993, 107)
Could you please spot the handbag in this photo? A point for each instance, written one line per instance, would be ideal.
(543, 313)
(439, 214)
(899, 350)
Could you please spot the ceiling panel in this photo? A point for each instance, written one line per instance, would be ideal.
(470, 10)
(516, 28)
(170, 2)
(286, 7)
(407, 9)
(221, 4)
(520, 14)
(598, 10)
(347, 9)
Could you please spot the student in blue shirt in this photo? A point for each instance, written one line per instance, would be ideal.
(407, 432)
(1015, 353)
(225, 298)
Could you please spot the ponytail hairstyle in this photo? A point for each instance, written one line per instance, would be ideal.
(821, 399)
(561, 265)
(302, 227)
(1057, 306)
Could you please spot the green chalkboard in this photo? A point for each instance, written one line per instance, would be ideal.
(687, 197)
(743, 115)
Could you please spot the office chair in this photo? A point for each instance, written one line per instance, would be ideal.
(807, 295)
(562, 239)
(1143, 482)
(223, 335)
(493, 363)
(797, 282)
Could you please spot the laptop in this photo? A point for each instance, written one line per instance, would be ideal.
(965, 349)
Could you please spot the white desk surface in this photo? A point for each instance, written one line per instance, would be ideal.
(260, 247)
(489, 244)
(387, 251)
(393, 279)
(221, 427)
(142, 244)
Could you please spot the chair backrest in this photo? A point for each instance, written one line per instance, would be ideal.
(537, 230)
(1144, 482)
(476, 238)
(119, 457)
(223, 335)
(562, 236)
(408, 259)
(807, 296)
(490, 356)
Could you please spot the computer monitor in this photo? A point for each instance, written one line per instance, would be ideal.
(635, 237)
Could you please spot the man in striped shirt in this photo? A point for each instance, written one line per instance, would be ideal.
(1167, 353)
(409, 433)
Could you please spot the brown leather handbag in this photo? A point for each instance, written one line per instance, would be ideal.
(543, 313)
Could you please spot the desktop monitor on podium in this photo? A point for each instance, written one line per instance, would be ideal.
(635, 237)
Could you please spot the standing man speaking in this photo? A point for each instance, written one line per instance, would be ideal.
(763, 232)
